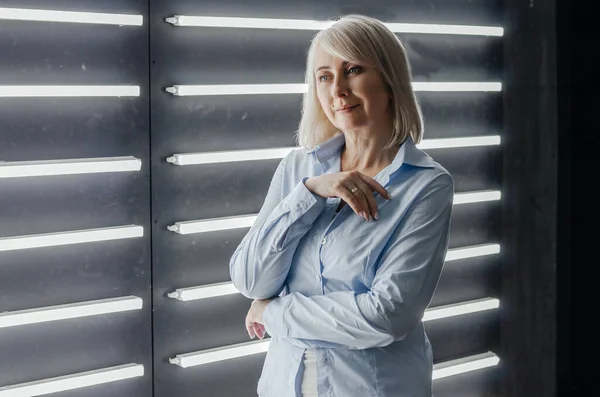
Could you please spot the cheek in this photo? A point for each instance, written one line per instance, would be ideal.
(325, 104)
(380, 101)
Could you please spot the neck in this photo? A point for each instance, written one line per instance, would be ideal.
(367, 154)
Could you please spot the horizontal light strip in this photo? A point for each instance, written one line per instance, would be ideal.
(464, 365)
(458, 86)
(70, 237)
(213, 225)
(238, 222)
(477, 197)
(22, 91)
(72, 382)
(203, 292)
(220, 353)
(457, 309)
(22, 14)
(19, 169)
(472, 251)
(229, 156)
(73, 310)
(263, 89)
(277, 153)
(299, 24)
(434, 313)
(237, 89)
(227, 287)
(441, 370)
(448, 143)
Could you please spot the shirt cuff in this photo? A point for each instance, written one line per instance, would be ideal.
(302, 203)
(273, 316)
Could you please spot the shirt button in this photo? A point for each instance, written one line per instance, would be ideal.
(323, 241)
(318, 278)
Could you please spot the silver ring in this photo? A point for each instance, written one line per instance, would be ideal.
(354, 190)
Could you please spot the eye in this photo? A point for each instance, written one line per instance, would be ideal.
(322, 77)
(354, 69)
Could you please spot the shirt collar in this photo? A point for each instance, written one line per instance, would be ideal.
(327, 153)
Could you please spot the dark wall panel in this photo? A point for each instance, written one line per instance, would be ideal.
(43, 53)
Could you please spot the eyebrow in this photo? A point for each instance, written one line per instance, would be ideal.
(327, 67)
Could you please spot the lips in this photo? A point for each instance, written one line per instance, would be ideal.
(346, 108)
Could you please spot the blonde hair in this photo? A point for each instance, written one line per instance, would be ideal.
(358, 38)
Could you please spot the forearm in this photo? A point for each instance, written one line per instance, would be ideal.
(261, 262)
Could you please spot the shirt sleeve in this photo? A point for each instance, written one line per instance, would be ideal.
(403, 286)
(261, 262)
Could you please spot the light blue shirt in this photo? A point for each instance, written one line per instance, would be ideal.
(354, 290)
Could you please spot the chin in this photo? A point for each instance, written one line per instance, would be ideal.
(349, 126)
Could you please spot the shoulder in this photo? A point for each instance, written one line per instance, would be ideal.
(297, 161)
(441, 176)
(298, 155)
(433, 177)
(296, 165)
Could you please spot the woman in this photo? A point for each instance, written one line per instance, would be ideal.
(349, 245)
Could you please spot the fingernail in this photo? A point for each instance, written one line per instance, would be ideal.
(376, 216)
(389, 195)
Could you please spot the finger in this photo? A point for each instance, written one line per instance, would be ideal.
(250, 329)
(375, 186)
(369, 197)
(259, 330)
(359, 194)
(342, 192)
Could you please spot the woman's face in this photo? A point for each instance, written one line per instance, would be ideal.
(353, 95)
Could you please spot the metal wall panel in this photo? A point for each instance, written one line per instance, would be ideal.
(47, 128)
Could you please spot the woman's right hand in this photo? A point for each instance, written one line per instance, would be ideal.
(353, 187)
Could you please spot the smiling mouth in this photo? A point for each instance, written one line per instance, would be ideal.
(347, 109)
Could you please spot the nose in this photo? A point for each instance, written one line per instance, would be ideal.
(340, 87)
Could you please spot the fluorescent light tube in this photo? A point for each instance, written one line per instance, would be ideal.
(457, 309)
(25, 14)
(237, 89)
(472, 251)
(18, 169)
(277, 153)
(70, 237)
(212, 225)
(229, 156)
(447, 143)
(263, 89)
(220, 353)
(464, 365)
(433, 313)
(203, 292)
(23, 91)
(73, 382)
(441, 370)
(457, 86)
(69, 311)
(299, 24)
(477, 197)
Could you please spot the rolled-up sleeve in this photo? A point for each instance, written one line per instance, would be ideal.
(260, 264)
(406, 278)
